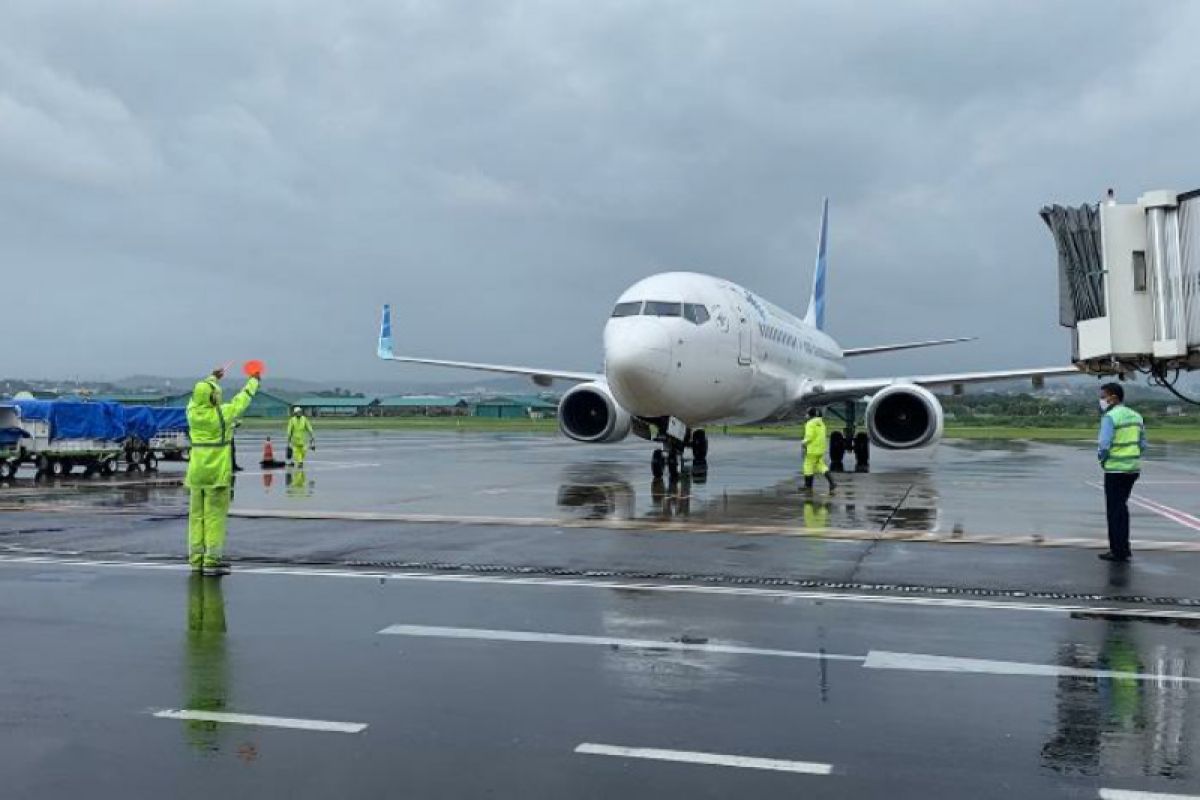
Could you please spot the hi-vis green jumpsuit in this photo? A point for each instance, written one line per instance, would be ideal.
(815, 443)
(210, 468)
(299, 433)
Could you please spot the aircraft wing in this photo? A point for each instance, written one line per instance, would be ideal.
(539, 375)
(850, 352)
(840, 389)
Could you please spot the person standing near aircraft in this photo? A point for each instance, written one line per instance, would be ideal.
(300, 436)
(815, 443)
(210, 469)
(1122, 442)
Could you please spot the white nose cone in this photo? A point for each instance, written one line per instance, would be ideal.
(637, 364)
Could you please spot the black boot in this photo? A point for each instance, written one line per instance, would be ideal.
(808, 482)
(832, 485)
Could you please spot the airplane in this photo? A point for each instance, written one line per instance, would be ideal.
(685, 351)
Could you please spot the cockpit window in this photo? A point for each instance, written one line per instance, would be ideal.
(655, 308)
(628, 309)
(694, 312)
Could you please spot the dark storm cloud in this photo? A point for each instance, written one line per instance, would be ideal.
(184, 183)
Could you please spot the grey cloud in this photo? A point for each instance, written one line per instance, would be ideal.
(192, 182)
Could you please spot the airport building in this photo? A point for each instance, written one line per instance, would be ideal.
(423, 405)
(515, 407)
(317, 406)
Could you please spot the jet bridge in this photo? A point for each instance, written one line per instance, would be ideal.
(1129, 283)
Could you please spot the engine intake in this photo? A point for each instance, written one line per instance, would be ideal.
(589, 413)
(904, 417)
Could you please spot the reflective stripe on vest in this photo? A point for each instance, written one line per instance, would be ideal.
(1125, 454)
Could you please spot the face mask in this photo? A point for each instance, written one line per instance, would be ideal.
(1104, 406)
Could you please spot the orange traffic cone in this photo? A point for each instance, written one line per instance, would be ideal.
(268, 456)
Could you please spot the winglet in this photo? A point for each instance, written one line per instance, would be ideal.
(385, 334)
(816, 304)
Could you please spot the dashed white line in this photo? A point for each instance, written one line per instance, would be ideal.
(320, 725)
(711, 759)
(1125, 794)
(920, 662)
(533, 637)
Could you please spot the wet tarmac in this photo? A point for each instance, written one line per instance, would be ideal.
(513, 616)
(127, 681)
(987, 491)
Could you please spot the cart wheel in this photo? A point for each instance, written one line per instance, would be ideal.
(150, 462)
(59, 468)
(107, 468)
(8, 470)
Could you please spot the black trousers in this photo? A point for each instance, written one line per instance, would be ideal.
(1117, 488)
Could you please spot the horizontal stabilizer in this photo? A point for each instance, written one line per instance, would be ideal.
(850, 352)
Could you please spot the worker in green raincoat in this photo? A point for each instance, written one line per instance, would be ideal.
(210, 469)
(299, 436)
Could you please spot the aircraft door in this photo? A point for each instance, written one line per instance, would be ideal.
(745, 338)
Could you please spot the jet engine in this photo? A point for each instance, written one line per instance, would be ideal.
(589, 413)
(903, 417)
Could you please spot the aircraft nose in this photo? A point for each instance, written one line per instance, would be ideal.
(637, 363)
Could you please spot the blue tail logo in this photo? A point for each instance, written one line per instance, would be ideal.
(385, 333)
(816, 305)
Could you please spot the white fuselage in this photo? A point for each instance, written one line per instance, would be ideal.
(707, 351)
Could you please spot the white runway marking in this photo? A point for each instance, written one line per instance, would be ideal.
(1124, 794)
(263, 722)
(67, 559)
(438, 632)
(712, 759)
(1162, 509)
(918, 662)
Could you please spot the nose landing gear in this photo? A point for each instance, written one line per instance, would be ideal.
(670, 457)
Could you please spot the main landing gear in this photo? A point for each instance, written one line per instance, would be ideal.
(670, 458)
(849, 440)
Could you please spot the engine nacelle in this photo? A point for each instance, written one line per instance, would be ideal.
(904, 417)
(589, 413)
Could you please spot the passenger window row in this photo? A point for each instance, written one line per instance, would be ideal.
(692, 312)
(771, 333)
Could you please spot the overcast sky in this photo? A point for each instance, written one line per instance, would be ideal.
(183, 184)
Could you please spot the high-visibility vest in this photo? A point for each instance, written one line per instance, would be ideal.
(1125, 454)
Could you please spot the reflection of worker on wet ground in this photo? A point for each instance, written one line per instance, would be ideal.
(816, 516)
(300, 437)
(815, 443)
(297, 483)
(1122, 442)
(206, 658)
(210, 469)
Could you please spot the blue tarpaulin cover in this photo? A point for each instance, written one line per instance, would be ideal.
(71, 419)
(170, 420)
(140, 422)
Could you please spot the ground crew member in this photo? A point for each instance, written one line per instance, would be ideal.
(814, 450)
(1122, 442)
(210, 469)
(300, 435)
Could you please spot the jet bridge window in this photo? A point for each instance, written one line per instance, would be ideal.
(628, 309)
(655, 308)
(695, 313)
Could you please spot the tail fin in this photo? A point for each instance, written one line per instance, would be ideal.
(816, 305)
(385, 334)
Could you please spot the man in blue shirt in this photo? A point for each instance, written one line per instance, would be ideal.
(1122, 442)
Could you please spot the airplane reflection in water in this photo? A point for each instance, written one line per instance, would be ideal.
(904, 499)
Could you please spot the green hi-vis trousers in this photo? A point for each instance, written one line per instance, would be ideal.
(207, 513)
